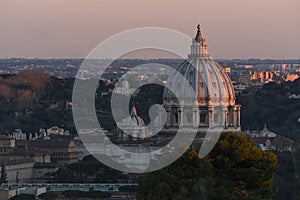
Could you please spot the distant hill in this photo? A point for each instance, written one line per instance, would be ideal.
(272, 105)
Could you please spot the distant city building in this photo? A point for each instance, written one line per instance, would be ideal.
(248, 66)
(6, 144)
(227, 69)
(267, 140)
(291, 77)
(55, 130)
(294, 96)
(262, 76)
(18, 135)
(123, 88)
(20, 169)
(62, 151)
(25, 164)
(244, 78)
(7, 193)
(239, 88)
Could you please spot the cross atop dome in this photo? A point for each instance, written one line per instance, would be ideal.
(198, 37)
(199, 46)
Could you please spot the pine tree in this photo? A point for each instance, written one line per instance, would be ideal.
(3, 175)
(17, 177)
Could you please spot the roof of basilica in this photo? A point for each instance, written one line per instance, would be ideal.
(207, 78)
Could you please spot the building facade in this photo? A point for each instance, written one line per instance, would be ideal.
(61, 151)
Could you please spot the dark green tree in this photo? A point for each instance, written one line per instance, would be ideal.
(23, 197)
(129, 190)
(3, 175)
(48, 196)
(72, 194)
(17, 177)
(178, 180)
(96, 195)
(77, 194)
(250, 170)
(234, 170)
(88, 170)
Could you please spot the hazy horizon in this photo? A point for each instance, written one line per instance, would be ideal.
(234, 29)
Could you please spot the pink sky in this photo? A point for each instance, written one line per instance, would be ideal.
(72, 28)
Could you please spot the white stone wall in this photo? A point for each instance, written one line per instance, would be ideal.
(24, 171)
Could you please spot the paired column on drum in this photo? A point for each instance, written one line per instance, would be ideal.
(225, 117)
(211, 116)
(169, 113)
(236, 115)
(196, 116)
(174, 116)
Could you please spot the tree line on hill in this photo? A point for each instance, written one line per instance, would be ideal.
(273, 106)
(235, 169)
